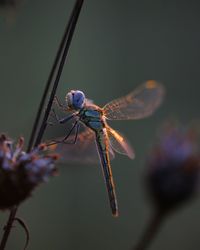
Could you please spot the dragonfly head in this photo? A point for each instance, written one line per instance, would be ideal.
(75, 99)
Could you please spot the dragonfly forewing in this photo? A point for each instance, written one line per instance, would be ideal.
(140, 103)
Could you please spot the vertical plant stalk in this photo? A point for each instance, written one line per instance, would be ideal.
(65, 42)
(151, 231)
(64, 47)
(8, 227)
(72, 25)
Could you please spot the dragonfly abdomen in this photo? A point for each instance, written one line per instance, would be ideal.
(102, 146)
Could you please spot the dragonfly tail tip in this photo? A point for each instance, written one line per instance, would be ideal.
(115, 214)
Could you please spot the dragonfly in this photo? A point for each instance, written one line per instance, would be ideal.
(140, 103)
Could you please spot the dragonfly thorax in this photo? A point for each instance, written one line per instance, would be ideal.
(75, 99)
(92, 118)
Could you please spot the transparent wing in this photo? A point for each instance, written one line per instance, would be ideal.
(119, 143)
(83, 151)
(138, 104)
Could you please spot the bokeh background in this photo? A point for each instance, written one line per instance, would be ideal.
(117, 45)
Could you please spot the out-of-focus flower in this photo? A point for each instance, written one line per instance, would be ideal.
(173, 168)
(21, 172)
(172, 177)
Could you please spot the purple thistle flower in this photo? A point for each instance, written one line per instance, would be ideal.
(21, 172)
(172, 177)
(173, 168)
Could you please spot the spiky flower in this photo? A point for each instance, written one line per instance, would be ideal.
(21, 172)
(173, 168)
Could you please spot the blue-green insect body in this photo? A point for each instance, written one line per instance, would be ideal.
(140, 103)
(92, 118)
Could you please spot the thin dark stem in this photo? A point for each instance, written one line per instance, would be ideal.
(65, 42)
(63, 48)
(72, 25)
(150, 231)
(8, 227)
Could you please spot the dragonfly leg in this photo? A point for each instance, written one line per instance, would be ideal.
(59, 104)
(64, 140)
(54, 116)
(75, 137)
(62, 120)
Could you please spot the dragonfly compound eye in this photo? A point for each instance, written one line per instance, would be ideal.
(75, 99)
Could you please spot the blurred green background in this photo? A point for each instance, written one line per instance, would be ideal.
(117, 45)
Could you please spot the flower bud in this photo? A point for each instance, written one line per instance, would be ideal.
(173, 168)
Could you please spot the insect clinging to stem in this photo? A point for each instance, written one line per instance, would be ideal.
(140, 103)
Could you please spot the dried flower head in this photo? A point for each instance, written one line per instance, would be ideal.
(21, 172)
(173, 168)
